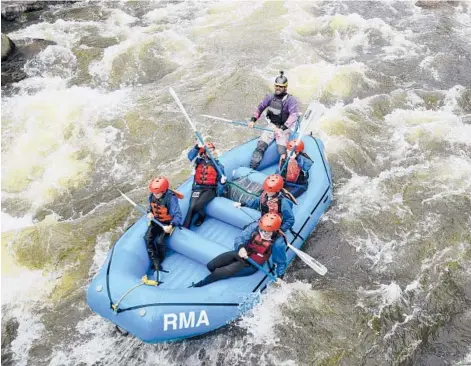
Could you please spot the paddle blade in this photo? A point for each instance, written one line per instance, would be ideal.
(313, 113)
(177, 100)
(311, 262)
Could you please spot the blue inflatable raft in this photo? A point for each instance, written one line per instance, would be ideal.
(173, 311)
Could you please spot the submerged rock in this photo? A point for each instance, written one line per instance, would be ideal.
(7, 47)
(13, 67)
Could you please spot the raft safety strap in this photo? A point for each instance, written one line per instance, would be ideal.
(178, 304)
(108, 276)
(296, 235)
(242, 189)
(323, 162)
(144, 281)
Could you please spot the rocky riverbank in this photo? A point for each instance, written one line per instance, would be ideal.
(15, 54)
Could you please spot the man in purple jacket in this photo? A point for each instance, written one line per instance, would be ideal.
(282, 112)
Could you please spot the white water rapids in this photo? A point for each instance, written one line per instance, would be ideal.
(95, 114)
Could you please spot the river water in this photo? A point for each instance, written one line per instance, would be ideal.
(95, 115)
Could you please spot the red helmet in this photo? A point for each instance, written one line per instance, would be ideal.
(273, 183)
(270, 222)
(209, 145)
(158, 185)
(299, 147)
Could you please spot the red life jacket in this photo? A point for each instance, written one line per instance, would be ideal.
(272, 205)
(292, 171)
(258, 249)
(206, 174)
(160, 211)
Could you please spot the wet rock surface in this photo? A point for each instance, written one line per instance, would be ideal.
(7, 47)
(9, 333)
(13, 66)
(13, 10)
(15, 54)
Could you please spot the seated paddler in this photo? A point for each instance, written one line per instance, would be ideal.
(207, 184)
(258, 242)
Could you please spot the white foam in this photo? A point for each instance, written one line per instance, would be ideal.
(21, 283)
(63, 32)
(262, 320)
(23, 295)
(15, 223)
(52, 136)
(383, 295)
(413, 286)
(348, 34)
(427, 65)
(466, 361)
(311, 81)
(53, 61)
(95, 343)
(102, 249)
(29, 330)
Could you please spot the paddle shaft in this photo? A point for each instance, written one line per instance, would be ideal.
(239, 123)
(141, 209)
(255, 264)
(318, 114)
(198, 135)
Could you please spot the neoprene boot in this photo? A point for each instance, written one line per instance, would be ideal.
(156, 264)
(200, 220)
(257, 155)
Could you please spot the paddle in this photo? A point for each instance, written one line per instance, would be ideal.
(142, 210)
(318, 110)
(198, 135)
(255, 264)
(306, 258)
(239, 123)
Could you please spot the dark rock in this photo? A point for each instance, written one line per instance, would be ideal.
(9, 333)
(96, 41)
(465, 101)
(433, 4)
(8, 47)
(13, 67)
(12, 10)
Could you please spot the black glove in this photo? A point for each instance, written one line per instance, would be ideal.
(283, 128)
(197, 147)
(253, 119)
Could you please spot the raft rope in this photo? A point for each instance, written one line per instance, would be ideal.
(144, 281)
(178, 304)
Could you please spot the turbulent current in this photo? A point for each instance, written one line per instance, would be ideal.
(95, 115)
